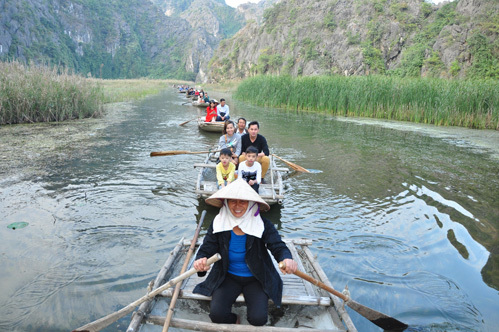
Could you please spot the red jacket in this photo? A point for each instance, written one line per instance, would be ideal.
(210, 113)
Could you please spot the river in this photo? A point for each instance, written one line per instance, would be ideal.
(406, 215)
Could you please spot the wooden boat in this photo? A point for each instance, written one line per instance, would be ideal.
(182, 91)
(190, 96)
(198, 104)
(305, 307)
(272, 191)
(214, 127)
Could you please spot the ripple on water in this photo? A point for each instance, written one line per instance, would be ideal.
(450, 305)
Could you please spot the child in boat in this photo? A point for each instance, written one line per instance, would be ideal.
(250, 170)
(211, 111)
(225, 168)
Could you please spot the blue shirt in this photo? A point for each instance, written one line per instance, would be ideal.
(237, 254)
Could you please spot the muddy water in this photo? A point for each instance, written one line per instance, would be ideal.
(405, 215)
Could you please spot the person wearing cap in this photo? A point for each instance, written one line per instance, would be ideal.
(242, 238)
(223, 111)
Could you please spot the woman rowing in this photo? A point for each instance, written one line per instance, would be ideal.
(242, 238)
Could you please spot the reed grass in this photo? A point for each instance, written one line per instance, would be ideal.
(45, 94)
(465, 103)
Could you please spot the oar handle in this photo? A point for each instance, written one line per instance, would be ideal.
(316, 282)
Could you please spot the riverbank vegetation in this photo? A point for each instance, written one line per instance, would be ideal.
(44, 94)
(128, 90)
(465, 103)
(31, 94)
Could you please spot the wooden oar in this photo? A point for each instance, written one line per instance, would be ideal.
(384, 321)
(293, 166)
(183, 123)
(111, 318)
(184, 267)
(177, 152)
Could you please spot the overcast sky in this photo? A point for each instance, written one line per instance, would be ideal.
(235, 3)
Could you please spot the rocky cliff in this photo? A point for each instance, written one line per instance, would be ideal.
(359, 37)
(210, 21)
(106, 39)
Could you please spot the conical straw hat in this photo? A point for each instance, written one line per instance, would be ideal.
(238, 189)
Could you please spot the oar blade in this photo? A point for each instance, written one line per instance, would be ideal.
(292, 165)
(380, 319)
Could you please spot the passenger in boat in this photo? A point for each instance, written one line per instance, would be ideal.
(230, 140)
(242, 238)
(223, 111)
(250, 170)
(253, 138)
(241, 127)
(206, 98)
(211, 111)
(225, 168)
(201, 98)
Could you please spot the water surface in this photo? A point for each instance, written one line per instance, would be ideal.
(407, 218)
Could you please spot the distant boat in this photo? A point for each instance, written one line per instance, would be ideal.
(214, 127)
(198, 104)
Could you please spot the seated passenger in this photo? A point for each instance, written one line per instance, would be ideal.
(230, 140)
(253, 138)
(241, 127)
(211, 112)
(225, 169)
(250, 170)
(223, 111)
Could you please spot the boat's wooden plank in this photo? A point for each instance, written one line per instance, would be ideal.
(145, 307)
(297, 241)
(297, 258)
(286, 299)
(207, 326)
(337, 302)
(265, 197)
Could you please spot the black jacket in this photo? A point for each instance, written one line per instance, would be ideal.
(257, 259)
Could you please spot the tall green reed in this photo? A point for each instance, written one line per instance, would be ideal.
(45, 94)
(466, 103)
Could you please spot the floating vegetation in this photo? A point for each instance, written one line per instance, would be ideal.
(17, 225)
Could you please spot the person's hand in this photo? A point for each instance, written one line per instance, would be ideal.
(200, 265)
(291, 266)
(261, 154)
(251, 182)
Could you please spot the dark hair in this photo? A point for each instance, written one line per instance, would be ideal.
(241, 119)
(222, 99)
(226, 152)
(252, 149)
(212, 102)
(254, 123)
(226, 124)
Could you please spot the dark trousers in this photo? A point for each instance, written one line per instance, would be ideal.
(255, 186)
(224, 297)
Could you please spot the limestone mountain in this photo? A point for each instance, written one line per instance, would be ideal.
(358, 37)
(109, 39)
(210, 20)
